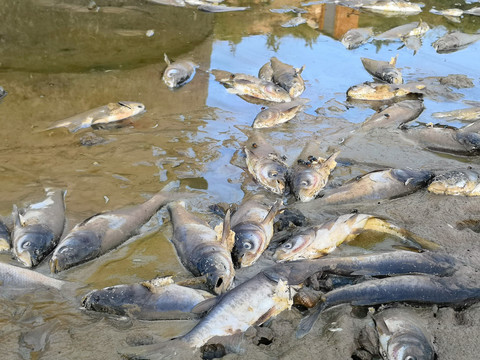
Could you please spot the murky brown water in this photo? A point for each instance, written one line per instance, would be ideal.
(58, 59)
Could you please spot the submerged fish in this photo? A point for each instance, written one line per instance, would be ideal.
(465, 182)
(252, 224)
(101, 116)
(103, 232)
(308, 177)
(200, 250)
(20, 278)
(5, 240)
(393, 7)
(278, 114)
(383, 70)
(378, 92)
(157, 299)
(353, 38)
(468, 114)
(395, 115)
(453, 41)
(178, 73)
(284, 75)
(38, 228)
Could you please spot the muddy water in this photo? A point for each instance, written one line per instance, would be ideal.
(59, 58)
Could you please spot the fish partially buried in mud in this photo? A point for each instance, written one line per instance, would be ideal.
(354, 38)
(99, 117)
(5, 240)
(200, 250)
(20, 278)
(467, 114)
(284, 75)
(308, 177)
(465, 182)
(383, 70)
(454, 41)
(38, 228)
(395, 115)
(103, 232)
(393, 7)
(178, 73)
(278, 113)
(252, 224)
(157, 299)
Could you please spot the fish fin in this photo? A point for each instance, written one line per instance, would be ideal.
(158, 351)
(306, 324)
(273, 212)
(298, 71)
(167, 60)
(16, 217)
(124, 104)
(270, 312)
(393, 60)
(227, 236)
(408, 248)
(205, 305)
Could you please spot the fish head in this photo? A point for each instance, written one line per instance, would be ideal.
(266, 118)
(272, 176)
(115, 299)
(277, 93)
(470, 140)
(393, 76)
(76, 248)
(32, 243)
(249, 244)
(406, 346)
(132, 107)
(174, 77)
(293, 248)
(219, 271)
(306, 185)
(297, 87)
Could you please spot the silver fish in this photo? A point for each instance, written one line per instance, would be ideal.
(20, 278)
(278, 113)
(296, 21)
(178, 73)
(410, 29)
(395, 115)
(454, 41)
(221, 8)
(354, 38)
(468, 114)
(473, 11)
(383, 70)
(283, 75)
(393, 8)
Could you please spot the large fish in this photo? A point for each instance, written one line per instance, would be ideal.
(308, 177)
(178, 73)
(5, 240)
(38, 228)
(20, 278)
(157, 299)
(395, 115)
(454, 41)
(391, 8)
(379, 92)
(383, 70)
(278, 113)
(353, 38)
(101, 116)
(252, 224)
(317, 241)
(283, 75)
(103, 232)
(410, 29)
(465, 182)
(200, 250)
(468, 114)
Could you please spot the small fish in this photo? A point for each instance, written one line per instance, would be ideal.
(252, 224)
(383, 70)
(468, 114)
(157, 299)
(395, 115)
(421, 28)
(283, 75)
(379, 92)
(393, 8)
(20, 278)
(103, 232)
(98, 117)
(38, 228)
(354, 38)
(178, 73)
(454, 41)
(5, 240)
(221, 8)
(266, 166)
(308, 178)
(200, 250)
(278, 113)
(447, 12)
(465, 182)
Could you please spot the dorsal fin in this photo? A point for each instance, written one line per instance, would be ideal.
(205, 305)
(16, 217)
(393, 60)
(273, 211)
(167, 60)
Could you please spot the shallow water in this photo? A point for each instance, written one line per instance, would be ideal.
(58, 59)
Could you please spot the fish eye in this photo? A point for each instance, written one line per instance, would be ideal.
(26, 244)
(305, 183)
(410, 357)
(247, 246)
(272, 173)
(140, 106)
(287, 245)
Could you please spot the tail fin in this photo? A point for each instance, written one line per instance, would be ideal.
(159, 351)
(306, 324)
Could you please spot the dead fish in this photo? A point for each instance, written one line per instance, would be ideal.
(308, 177)
(178, 73)
(393, 8)
(473, 11)
(242, 84)
(418, 289)
(266, 166)
(383, 70)
(445, 139)
(395, 115)
(454, 41)
(200, 250)
(252, 224)
(103, 232)
(107, 114)
(157, 299)
(278, 114)
(5, 240)
(377, 185)
(296, 21)
(37, 228)
(16, 277)
(447, 12)
(316, 241)
(379, 92)
(468, 114)
(3, 93)
(221, 8)
(465, 182)
(399, 31)
(354, 38)
(284, 75)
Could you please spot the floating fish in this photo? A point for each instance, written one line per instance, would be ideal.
(283, 75)
(393, 8)
(221, 8)
(278, 113)
(395, 115)
(380, 92)
(178, 73)
(465, 182)
(454, 41)
(447, 12)
(468, 114)
(354, 38)
(383, 70)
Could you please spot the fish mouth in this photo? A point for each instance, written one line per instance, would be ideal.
(25, 258)
(54, 265)
(4, 245)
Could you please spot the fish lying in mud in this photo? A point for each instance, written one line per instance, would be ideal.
(242, 84)
(5, 240)
(20, 278)
(454, 41)
(3, 93)
(418, 289)
(103, 232)
(278, 114)
(395, 115)
(252, 224)
(178, 73)
(468, 114)
(200, 250)
(316, 241)
(38, 228)
(284, 75)
(157, 299)
(383, 70)
(354, 38)
(445, 139)
(465, 182)
(308, 177)
(377, 185)
(393, 8)
(101, 116)
(379, 92)
(266, 166)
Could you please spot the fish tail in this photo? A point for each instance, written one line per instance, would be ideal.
(306, 324)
